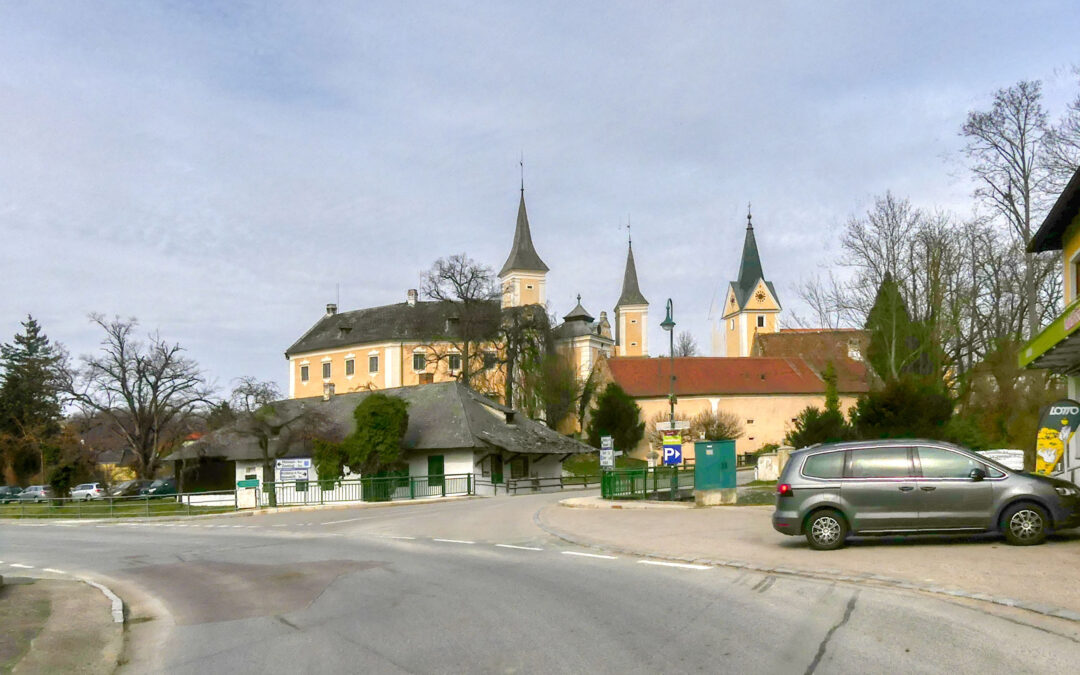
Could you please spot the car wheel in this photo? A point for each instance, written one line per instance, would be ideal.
(826, 530)
(1025, 524)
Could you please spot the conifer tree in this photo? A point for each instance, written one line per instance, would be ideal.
(30, 411)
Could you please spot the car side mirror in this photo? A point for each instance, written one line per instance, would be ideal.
(977, 474)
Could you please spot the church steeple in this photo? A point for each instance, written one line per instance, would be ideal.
(631, 292)
(750, 304)
(631, 312)
(524, 274)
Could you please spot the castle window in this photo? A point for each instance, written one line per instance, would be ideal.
(528, 286)
(761, 321)
(749, 421)
(731, 326)
(304, 374)
(454, 361)
(633, 344)
(373, 364)
(350, 367)
(326, 370)
(633, 320)
(490, 359)
(419, 361)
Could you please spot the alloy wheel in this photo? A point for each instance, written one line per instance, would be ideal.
(826, 530)
(1026, 524)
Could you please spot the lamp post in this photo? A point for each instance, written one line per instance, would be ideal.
(669, 325)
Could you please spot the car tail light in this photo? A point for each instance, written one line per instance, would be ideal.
(783, 489)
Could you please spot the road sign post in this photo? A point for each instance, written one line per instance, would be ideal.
(607, 453)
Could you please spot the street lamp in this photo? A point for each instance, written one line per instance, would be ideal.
(669, 325)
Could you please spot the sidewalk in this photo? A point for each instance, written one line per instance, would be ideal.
(56, 626)
(1040, 578)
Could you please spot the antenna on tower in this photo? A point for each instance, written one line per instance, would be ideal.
(629, 239)
(337, 294)
(522, 165)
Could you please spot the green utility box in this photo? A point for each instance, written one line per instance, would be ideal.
(714, 465)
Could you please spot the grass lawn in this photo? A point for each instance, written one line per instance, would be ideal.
(105, 509)
(756, 497)
(761, 483)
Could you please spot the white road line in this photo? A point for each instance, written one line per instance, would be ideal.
(590, 555)
(664, 563)
(54, 571)
(520, 548)
(278, 525)
(22, 567)
(393, 537)
(347, 520)
(454, 541)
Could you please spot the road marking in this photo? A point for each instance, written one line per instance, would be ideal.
(664, 563)
(54, 571)
(22, 567)
(393, 537)
(347, 520)
(520, 548)
(590, 555)
(454, 541)
(278, 525)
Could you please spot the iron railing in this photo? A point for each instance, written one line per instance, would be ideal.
(375, 489)
(654, 483)
(551, 483)
(187, 503)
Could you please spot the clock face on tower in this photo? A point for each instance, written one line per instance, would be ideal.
(760, 296)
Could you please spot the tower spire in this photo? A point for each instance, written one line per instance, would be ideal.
(523, 254)
(631, 292)
(749, 224)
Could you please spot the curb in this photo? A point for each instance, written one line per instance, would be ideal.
(824, 574)
(117, 604)
(582, 503)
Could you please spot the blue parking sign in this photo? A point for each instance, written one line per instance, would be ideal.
(672, 449)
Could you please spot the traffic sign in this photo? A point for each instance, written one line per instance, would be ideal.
(249, 483)
(672, 448)
(607, 442)
(294, 463)
(607, 458)
(293, 474)
(678, 425)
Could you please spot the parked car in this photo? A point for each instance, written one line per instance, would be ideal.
(36, 493)
(129, 488)
(87, 491)
(9, 493)
(827, 492)
(160, 488)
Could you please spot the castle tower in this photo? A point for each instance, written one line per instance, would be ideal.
(524, 275)
(631, 313)
(750, 304)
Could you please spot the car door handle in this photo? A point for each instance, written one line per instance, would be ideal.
(907, 488)
(927, 488)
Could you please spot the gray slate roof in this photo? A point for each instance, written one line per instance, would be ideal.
(522, 254)
(750, 271)
(631, 293)
(400, 322)
(442, 416)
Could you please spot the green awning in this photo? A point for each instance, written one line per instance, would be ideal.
(1057, 347)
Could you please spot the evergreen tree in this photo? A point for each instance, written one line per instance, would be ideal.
(814, 425)
(616, 415)
(896, 342)
(29, 399)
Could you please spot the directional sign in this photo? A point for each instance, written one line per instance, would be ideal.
(607, 443)
(293, 474)
(294, 463)
(250, 483)
(607, 458)
(678, 425)
(672, 449)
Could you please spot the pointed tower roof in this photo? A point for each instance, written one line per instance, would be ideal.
(522, 254)
(579, 313)
(750, 272)
(631, 293)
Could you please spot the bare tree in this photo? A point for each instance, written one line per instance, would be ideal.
(1007, 153)
(1063, 145)
(148, 391)
(278, 427)
(471, 298)
(716, 426)
(686, 345)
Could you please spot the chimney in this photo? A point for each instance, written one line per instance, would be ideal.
(427, 378)
(509, 416)
(410, 297)
(328, 391)
(331, 309)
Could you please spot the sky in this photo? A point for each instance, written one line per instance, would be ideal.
(221, 171)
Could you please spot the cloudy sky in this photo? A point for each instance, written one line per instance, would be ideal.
(218, 169)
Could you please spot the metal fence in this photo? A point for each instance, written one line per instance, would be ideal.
(188, 503)
(376, 489)
(650, 483)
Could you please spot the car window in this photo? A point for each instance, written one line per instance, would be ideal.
(880, 463)
(940, 463)
(825, 465)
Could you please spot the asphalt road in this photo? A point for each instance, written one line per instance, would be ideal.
(476, 586)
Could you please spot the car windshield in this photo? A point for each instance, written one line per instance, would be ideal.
(158, 483)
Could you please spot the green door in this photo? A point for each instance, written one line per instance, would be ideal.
(435, 470)
(496, 469)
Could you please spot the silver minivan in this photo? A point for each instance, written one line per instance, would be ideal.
(896, 486)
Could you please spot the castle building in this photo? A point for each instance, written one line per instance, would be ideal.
(750, 306)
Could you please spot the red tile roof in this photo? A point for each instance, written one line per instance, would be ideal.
(703, 376)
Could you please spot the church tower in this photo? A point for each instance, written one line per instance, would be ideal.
(631, 313)
(524, 275)
(750, 304)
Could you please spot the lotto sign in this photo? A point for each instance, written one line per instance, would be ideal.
(672, 449)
